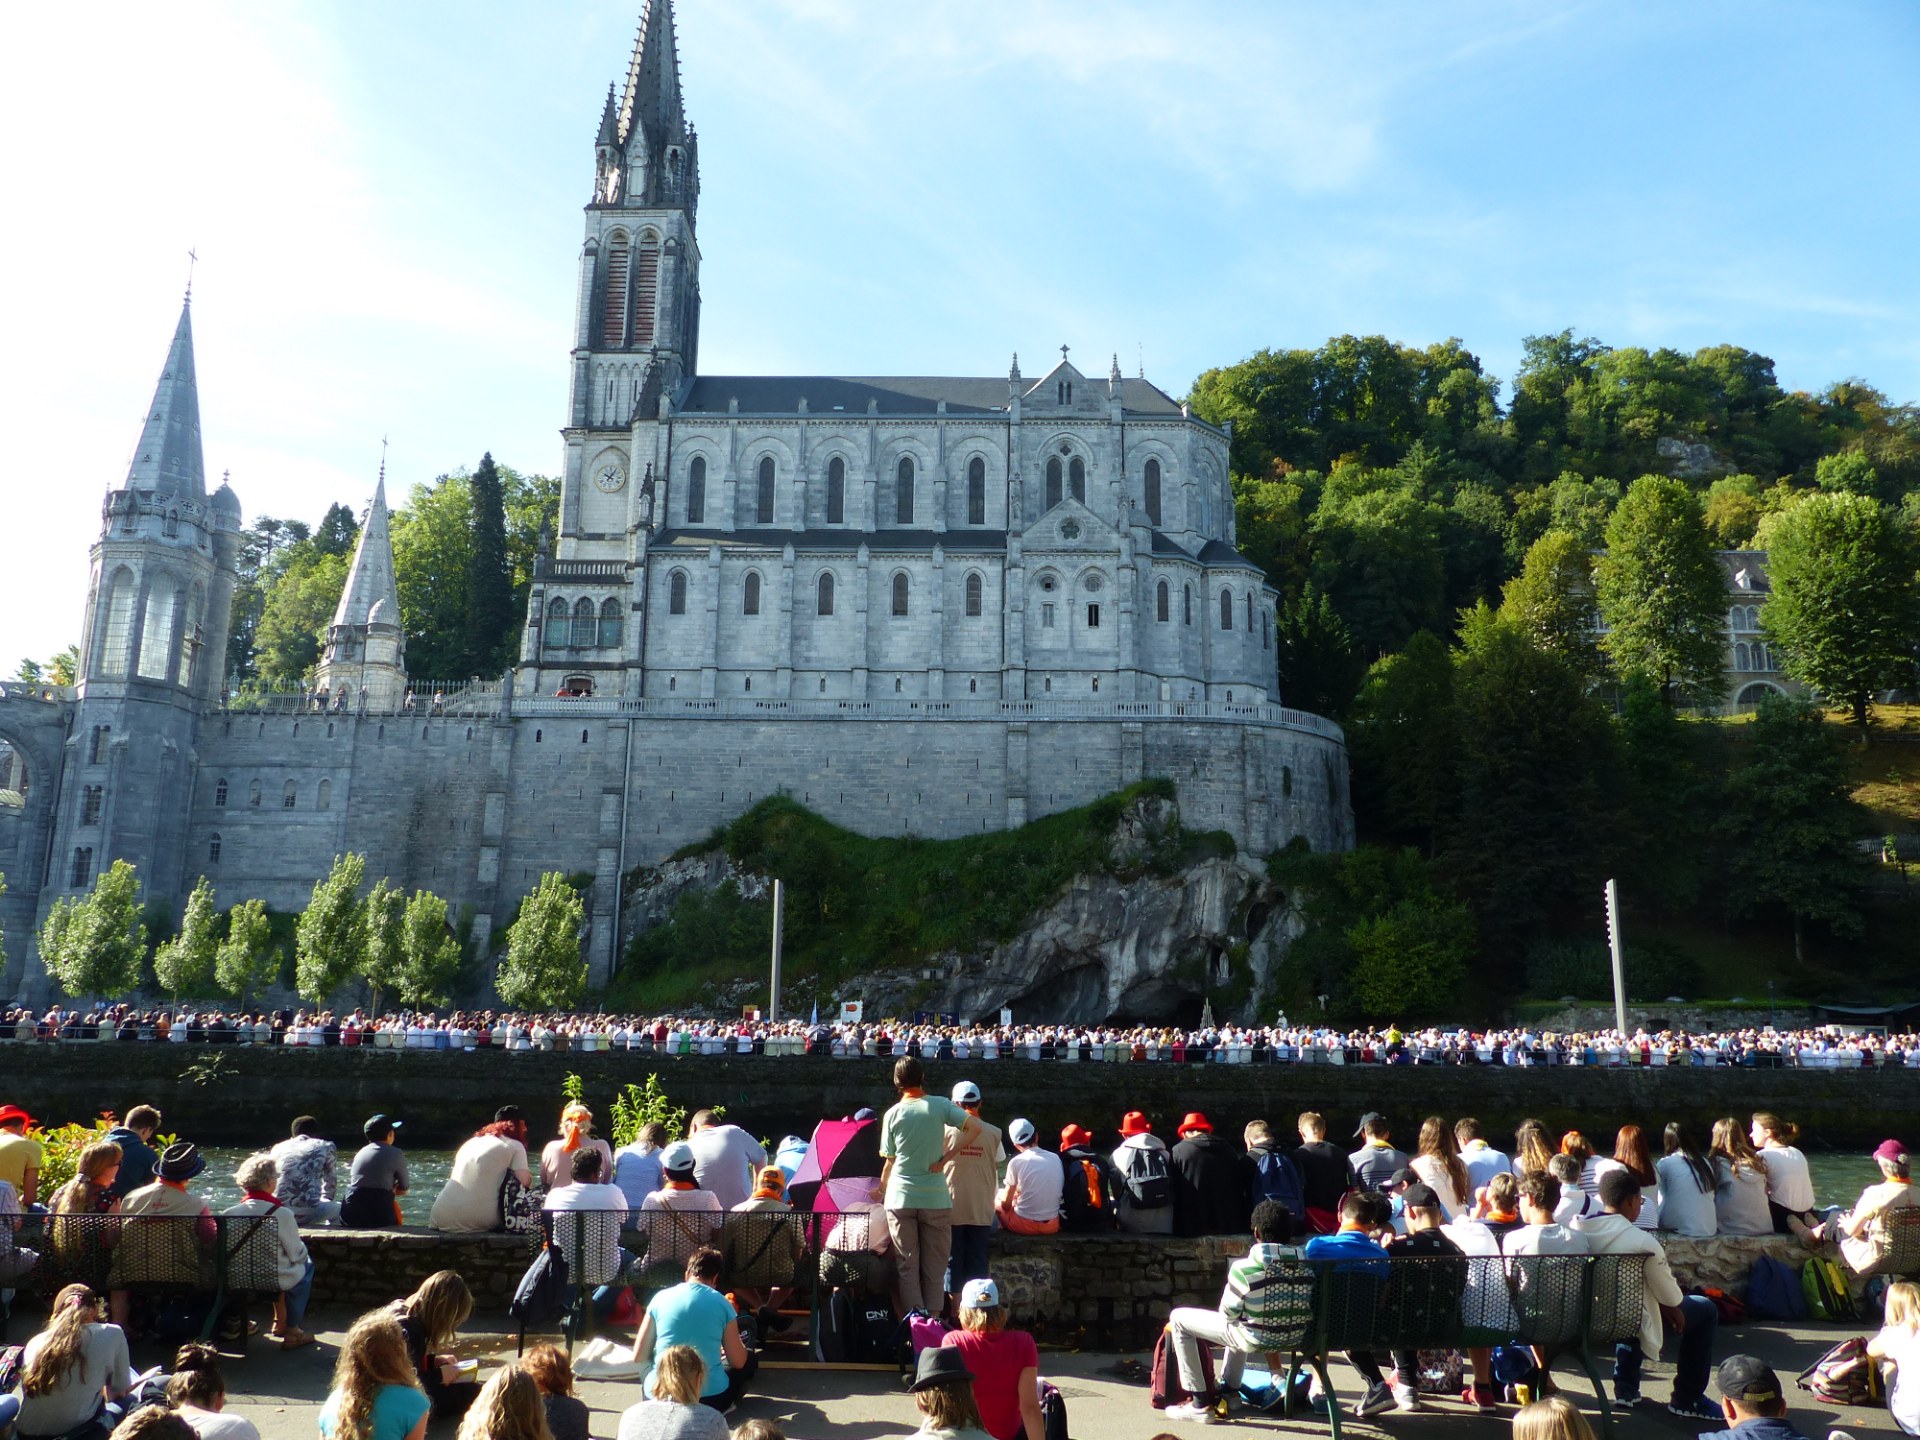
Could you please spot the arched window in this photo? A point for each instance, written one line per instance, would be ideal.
(823, 602)
(903, 492)
(613, 299)
(697, 491)
(1186, 605)
(220, 795)
(117, 641)
(976, 491)
(1053, 481)
(677, 593)
(253, 794)
(290, 796)
(1153, 495)
(556, 631)
(1077, 479)
(583, 624)
(836, 491)
(609, 624)
(1742, 657)
(750, 599)
(82, 866)
(900, 593)
(92, 798)
(646, 289)
(1249, 612)
(763, 494)
(156, 636)
(213, 849)
(974, 587)
(1226, 609)
(97, 747)
(1160, 601)
(323, 797)
(1266, 638)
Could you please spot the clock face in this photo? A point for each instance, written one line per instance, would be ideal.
(610, 477)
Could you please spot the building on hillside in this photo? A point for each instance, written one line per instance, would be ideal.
(926, 605)
(1753, 668)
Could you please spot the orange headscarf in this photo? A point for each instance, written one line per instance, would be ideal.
(575, 1121)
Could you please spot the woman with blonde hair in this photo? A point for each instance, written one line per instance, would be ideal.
(72, 1371)
(1553, 1418)
(376, 1394)
(1005, 1365)
(1740, 1181)
(1898, 1343)
(90, 1191)
(553, 1373)
(80, 1246)
(576, 1132)
(508, 1407)
(429, 1319)
(943, 1390)
(1437, 1162)
(673, 1410)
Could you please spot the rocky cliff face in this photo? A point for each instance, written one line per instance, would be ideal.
(1140, 940)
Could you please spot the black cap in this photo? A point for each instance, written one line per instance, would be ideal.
(1748, 1380)
(1373, 1118)
(180, 1161)
(1418, 1196)
(939, 1365)
(508, 1113)
(1405, 1175)
(379, 1125)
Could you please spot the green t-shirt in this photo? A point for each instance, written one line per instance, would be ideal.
(912, 1135)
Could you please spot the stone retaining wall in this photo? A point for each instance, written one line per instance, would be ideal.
(1101, 1292)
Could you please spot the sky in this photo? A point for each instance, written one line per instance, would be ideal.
(385, 202)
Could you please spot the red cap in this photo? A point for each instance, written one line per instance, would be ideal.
(11, 1113)
(1195, 1121)
(1892, 1151)
(1072, 1136)
(1134, 1123)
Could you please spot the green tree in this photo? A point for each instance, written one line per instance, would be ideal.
(1733, 511)
(328, 939)
(1848, 473)
(382, 958)
(1662, 593)
(543, 968)
(1791, 823)
(31, 672)
(297, 608)
(432, 560)
(1412, 960)
(1551, 601)
(1406, 745)
(261, 546)
(1270, 521)
(1318, 666)
(429, 953)
(491, 620)
(244, 965)
(338, 531)
(1379, 555)
(184, 965)
(95, 946)
(533, 509)
(1845, 609)
(1674, 769)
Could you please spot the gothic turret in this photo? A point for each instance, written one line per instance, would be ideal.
(364, 664)
(167, 460)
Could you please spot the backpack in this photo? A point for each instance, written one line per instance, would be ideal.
(1087, 1203)
(1844, 1375)
(1053, 1411)
(1149, 1180)
(1816, 1284)
(1774, 1292)
(1164, 1388)
(541, 1297)
(1841, 1306)
(1276, 1177)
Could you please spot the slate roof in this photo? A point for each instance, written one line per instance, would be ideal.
(890, 394)
(370, 582)
(167, 460)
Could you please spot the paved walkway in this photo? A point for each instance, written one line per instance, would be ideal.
(282, 1395)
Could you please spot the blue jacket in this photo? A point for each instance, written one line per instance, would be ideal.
(1761, 1427)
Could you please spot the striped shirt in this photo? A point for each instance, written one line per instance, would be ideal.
(1268, 1301)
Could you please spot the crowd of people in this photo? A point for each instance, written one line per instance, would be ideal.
(947, 1180)
(1812, 1047)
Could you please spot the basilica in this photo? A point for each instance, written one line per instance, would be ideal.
(918, 604)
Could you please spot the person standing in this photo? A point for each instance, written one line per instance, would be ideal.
(1210, 1190)
(915, 1146)
(972, 1176)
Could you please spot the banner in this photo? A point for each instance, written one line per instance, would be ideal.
(851, 1011)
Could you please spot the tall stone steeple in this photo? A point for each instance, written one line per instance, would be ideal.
(167, 460)
(364, 662)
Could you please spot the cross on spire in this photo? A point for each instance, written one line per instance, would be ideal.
(192, 259)
(1063, 354)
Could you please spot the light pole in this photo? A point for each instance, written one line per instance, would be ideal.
(779, 917)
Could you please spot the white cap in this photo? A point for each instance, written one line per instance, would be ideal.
(966, 1093)
(1021, 1132)
(677, 1157)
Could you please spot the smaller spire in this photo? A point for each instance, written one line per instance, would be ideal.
(1014, 372)
(609, 121)
(1113, 375)
(167, 460)
(371, 586)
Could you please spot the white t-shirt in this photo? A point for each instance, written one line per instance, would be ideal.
(1902, 1346)
(470, 1200)
(1789, 1183)
(1039, 1184)
(599, 1250)
(218, 1424)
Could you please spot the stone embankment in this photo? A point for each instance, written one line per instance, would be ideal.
(1108, 1292)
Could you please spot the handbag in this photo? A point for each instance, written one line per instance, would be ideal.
(519, 1205)
(542, 1297)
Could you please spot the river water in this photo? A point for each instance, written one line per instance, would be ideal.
(1837, 1179)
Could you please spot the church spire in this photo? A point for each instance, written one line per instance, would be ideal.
(167, 460)
(371, 595)
(609, 122)
(651, 104)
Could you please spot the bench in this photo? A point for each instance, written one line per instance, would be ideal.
(228, 1259)
(1577, 1303)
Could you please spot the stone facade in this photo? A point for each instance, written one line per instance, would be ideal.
(919, 605)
